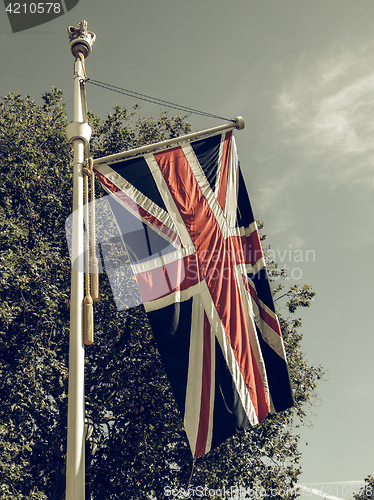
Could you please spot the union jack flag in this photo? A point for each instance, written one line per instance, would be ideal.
(207, 296)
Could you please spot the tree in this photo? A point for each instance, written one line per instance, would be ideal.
(138, 447)
(367, 491)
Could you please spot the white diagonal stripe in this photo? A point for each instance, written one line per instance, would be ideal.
(140, 199)
(195, 370)
(169, 202)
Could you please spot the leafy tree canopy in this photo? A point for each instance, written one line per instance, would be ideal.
(138, 448)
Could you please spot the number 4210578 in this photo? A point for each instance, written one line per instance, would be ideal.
(34, 8)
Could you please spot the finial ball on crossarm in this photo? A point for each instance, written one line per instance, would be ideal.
(81, 40)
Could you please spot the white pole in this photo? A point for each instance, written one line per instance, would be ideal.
(78, 134)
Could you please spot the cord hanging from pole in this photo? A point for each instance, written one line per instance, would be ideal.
(91, 261)
(88, 301)
(80, 55)
(94, 263)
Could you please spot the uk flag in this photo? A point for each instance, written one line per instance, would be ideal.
(207, 297)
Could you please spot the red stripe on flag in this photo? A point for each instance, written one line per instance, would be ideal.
(202, 434)
(220, 277)
(253, 249)
(163, 280)
(224, 170)
(249, 251)
(265, 316)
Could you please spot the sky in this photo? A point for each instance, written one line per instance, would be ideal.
(301, 73)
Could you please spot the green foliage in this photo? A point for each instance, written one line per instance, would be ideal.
(14, 451)
(138, 447)
(34, 181)
(367, 491)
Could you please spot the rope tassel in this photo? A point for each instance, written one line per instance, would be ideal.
(91, 262)
(94, 265)
(88, 320)
(94, 268)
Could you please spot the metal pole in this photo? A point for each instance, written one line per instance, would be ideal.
(78, 134)
(238, 123)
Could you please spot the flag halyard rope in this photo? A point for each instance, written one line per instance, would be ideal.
(88, 301)
(153, 100)
(91, 261)
(94, 266)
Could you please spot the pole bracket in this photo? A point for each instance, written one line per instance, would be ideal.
(78, 130)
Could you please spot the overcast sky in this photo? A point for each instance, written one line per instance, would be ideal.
(301, 73)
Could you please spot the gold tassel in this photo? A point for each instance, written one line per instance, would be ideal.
(88, 321)
(94, 271)
(91, 265)
(94, 266)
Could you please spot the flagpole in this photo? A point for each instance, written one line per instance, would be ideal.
(78, 134)
(237, 123)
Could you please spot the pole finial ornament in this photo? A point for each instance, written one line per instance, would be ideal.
(81, 40)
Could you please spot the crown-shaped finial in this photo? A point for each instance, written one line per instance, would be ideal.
(81, 40)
